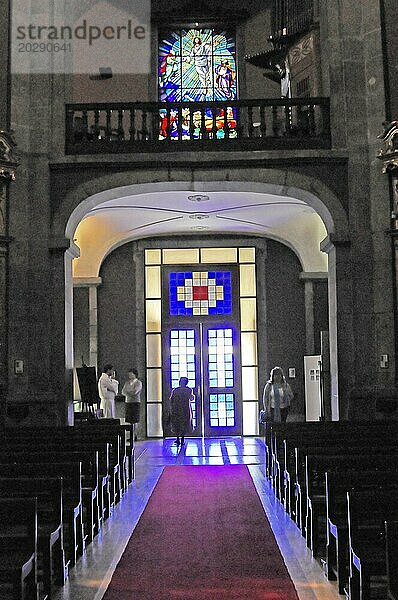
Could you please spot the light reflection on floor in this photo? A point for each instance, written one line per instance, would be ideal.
(89, 579)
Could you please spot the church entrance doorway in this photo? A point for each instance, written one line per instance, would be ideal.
(209, 355)
(201, 323)
(201, 341)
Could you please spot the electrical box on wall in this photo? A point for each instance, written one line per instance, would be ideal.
(18, 367)
(384, 361)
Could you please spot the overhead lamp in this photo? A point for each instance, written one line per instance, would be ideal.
(198, 198)
(199, 216)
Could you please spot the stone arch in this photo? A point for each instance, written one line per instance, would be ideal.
(81, 198)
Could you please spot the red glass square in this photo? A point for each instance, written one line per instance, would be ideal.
(200, 292)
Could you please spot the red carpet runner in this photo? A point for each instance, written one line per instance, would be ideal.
(203, 536)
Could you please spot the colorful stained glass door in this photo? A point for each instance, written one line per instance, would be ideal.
(221, 385)
(208, 354)
(184, 361)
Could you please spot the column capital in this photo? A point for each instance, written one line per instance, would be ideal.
(87, 282)
(313, 276)
(333, 240)
(59, 242)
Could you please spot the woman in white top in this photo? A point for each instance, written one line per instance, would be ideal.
(107, 389)
(277, 396)
(132, 393)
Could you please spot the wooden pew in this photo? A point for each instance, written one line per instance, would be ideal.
(68, 440)
(112, 431)
(392, 558)
(50, 546)
(295, 466)
(85, 434)
(281, 439)
(71, 472)
(18, 549)
(367, 513)
(315, 500)
(95, 466)
(309, 474)
(338, 483)
(74, 537)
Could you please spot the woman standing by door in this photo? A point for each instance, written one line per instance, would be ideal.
(277, 396)
(132, 393)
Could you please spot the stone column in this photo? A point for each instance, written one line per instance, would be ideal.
(63, 251)
(388, 154)
(92, 284)
(353, 47)
(7, 175)
(4, 66)
(341, 339)
(263, 360)
(309, 279)
(139, 325)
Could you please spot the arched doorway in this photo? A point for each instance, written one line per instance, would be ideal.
(135, 198)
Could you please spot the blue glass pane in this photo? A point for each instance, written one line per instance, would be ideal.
(189, 290)
(222, 410)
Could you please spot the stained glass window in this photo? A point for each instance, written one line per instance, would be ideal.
(220, 365)
(182, 361)
(200, 293)
(197, 65)
(222, 410)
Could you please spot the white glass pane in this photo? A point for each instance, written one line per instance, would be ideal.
(152, 282)
(153, 350)
(183, 256)
(154, 385)
(153, 315)
(154, 420)
(249, 349)
(219, 255)
(250, 418)
(250, 385)
(248, 317)
(247, 280)
(153, 257)
(247, 255)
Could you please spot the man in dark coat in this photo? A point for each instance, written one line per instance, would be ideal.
(180, 410)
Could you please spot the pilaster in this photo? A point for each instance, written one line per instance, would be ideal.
(309, 279)
(92, 283)
(341, 338)
(8, 165)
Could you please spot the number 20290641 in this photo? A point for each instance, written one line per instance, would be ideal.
(44, 47)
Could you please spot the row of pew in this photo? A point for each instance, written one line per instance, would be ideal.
(57, 487)
(338, 481)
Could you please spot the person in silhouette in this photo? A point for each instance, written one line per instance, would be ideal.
(277, 396)
(180, 410)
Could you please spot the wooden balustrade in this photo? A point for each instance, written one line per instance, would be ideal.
(235, 125)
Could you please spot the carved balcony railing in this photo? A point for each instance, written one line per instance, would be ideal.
(233, 125)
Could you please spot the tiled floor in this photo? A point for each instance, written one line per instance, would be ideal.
(89, 579)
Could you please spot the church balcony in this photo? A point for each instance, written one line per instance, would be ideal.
(126, 127)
